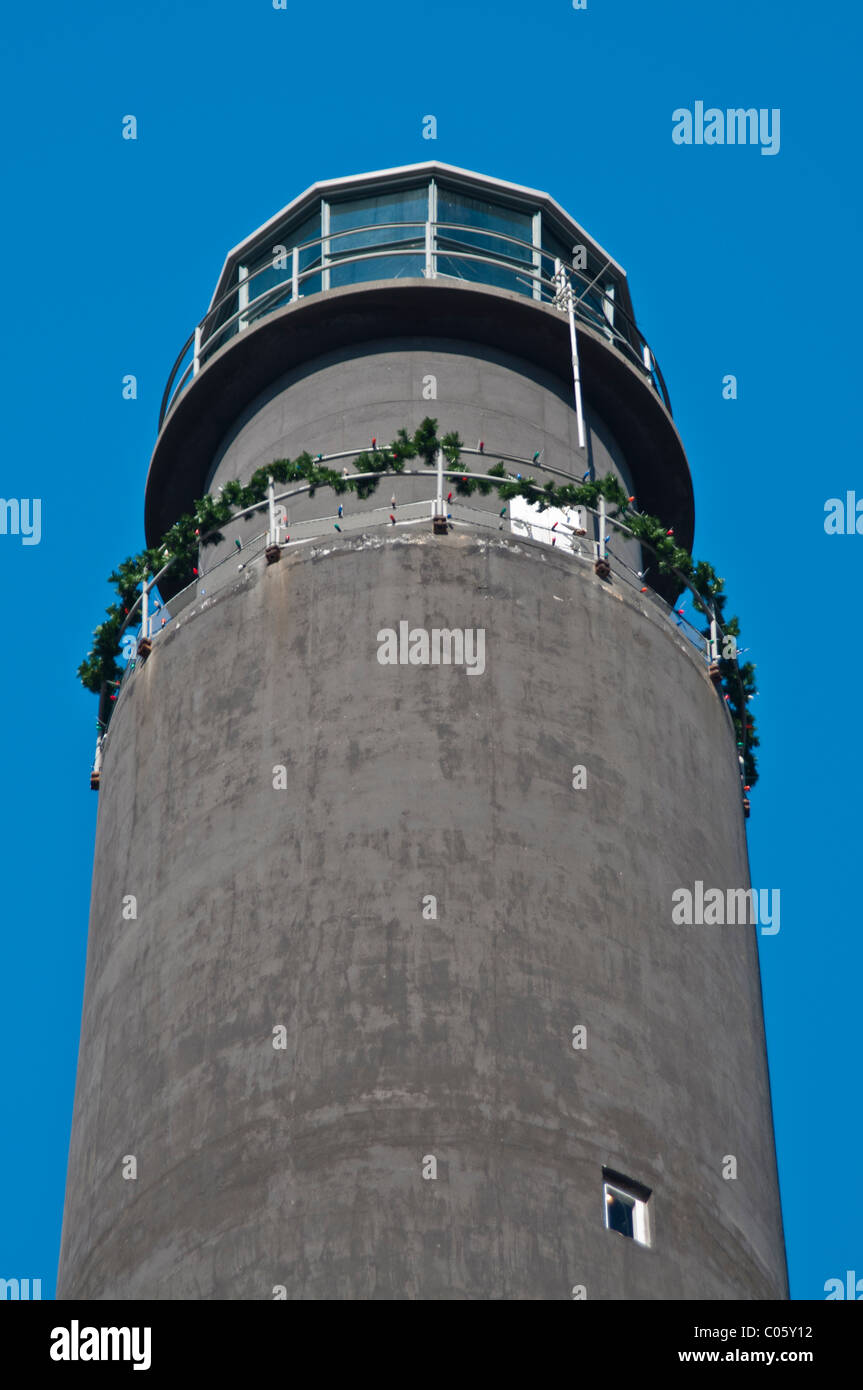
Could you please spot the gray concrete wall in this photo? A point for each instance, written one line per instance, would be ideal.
(408, 1037)
(342, 400)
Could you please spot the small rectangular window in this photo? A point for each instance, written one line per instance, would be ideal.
(626, 1207)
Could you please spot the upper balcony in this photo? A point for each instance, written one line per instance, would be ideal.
(431, 254)
(424, 221)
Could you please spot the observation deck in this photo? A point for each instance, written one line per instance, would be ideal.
(423, 252)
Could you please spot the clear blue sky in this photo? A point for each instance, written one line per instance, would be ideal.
(738, 263)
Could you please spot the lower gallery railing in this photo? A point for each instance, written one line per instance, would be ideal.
(566, 531)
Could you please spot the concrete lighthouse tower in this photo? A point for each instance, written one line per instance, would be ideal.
(400, 798)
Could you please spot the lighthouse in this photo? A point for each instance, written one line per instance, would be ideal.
(385, 997)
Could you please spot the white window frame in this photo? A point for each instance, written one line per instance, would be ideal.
(641, 1223)
(431, 233)
(536, 237)
(325, 244)
(242, 295)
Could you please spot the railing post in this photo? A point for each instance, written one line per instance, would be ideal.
(96, 771)
(273, 549)
(145, 646)
(601, 566)
(714, 670)
(714, 640)
(196, 359)
(439, 520)
(272, 534)
(295, 273)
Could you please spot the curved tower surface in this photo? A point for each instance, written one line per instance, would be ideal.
(384, 996)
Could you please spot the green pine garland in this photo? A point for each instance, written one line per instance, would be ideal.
(201, 526)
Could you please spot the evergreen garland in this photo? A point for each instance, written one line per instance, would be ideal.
(201, 526)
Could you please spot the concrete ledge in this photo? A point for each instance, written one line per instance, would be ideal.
(613, 387)
(563, 566)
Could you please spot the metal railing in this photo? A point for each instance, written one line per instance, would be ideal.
(565, 532)
(520, 265)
